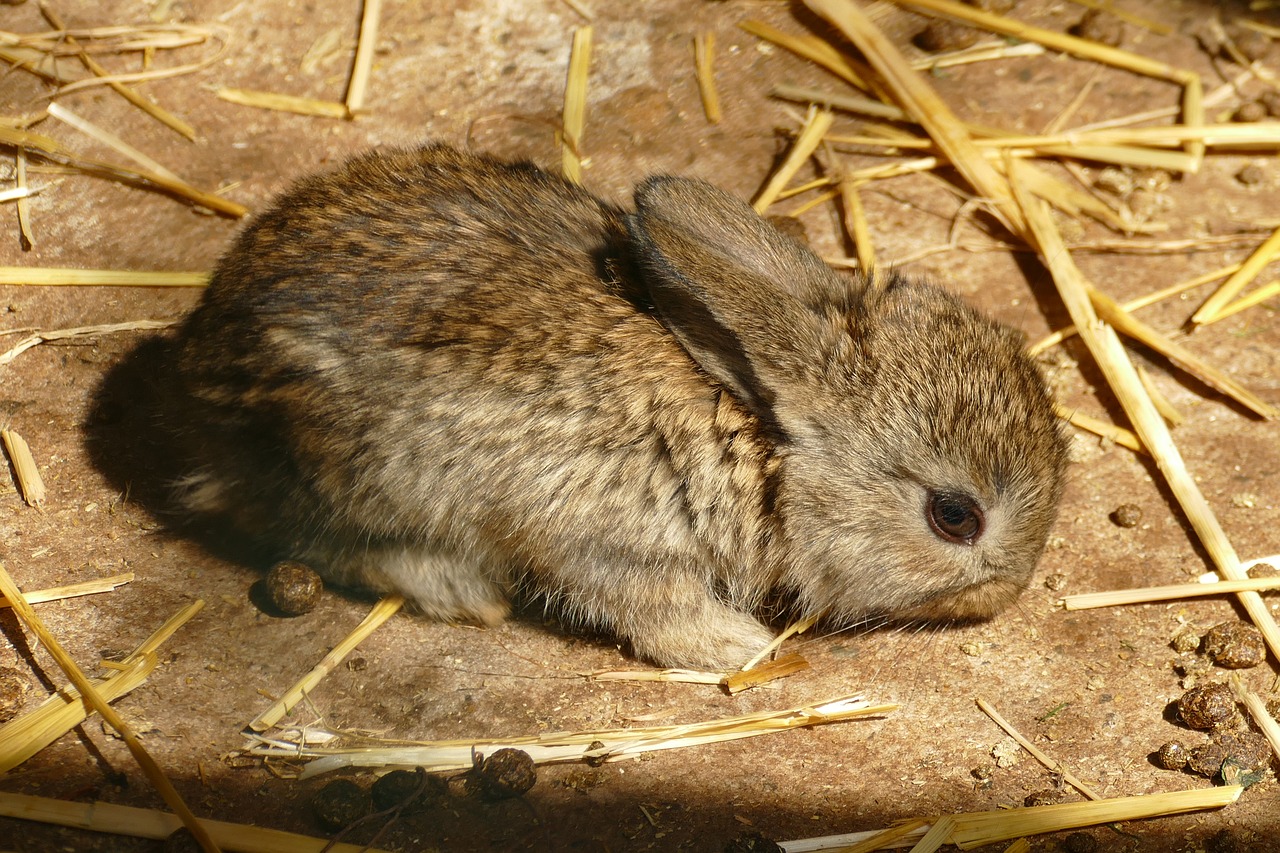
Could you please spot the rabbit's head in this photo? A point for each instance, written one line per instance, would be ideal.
(919, 459)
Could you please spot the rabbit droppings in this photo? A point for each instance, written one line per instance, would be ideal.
(438, 374)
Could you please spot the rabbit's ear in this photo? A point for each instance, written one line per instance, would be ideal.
(737, 293)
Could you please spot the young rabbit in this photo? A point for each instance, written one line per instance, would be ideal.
(439, 374)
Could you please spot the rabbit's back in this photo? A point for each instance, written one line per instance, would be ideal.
(438, 346)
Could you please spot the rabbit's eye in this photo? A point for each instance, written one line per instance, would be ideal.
(955, 517)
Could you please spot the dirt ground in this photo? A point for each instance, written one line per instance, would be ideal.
(1092, 688)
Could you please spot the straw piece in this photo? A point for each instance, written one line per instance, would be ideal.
(1022, 845)
(26, 238)
(815, 127)
(74, 590)
(855, 225)
(1051, 764)
(1078, 47)
(979, 828)
(381, 612)
(94, 700)
(680, 676)
(794, 629)
(561, 747)
(362, 66)
(574, 119)
(63, 276)
(1238, 281)
(37, 338)
(816, 50)
(152, 109)
(857, 104)
(108, 138)
(30, 483)
(158, 825)
(1142, 302)
(285, 103)
(51, 149)
(1137, 20)
(1114, 363)
(736, 682)
(938, 835)
(922, 103)
(1262, 294)
(1166, 409)
(1144, 595)
(24, 736)
(1111, 432)
(1179, 355)
(900, 835)
(704, 51)
(1258, 710)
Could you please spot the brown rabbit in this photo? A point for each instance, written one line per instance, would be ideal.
(436, 373)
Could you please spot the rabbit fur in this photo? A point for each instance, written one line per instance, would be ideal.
(460, 379)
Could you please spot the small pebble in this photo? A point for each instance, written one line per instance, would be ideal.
(941, 35)
(1101, 27)
(1172, 756)
(415, 790)
(984, 775)
(1207, 706)
(14, 687)
(1252, 175)
(1186, 641)
(1263, 570)
(1250, 753)
(293, 587)
(1235, 645)
(752, 841)
(340, 804)
(1055, 582)
(505, 774)
(1126, 515)
(1249, 111)
(1080, 842)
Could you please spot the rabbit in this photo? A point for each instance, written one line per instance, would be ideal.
(460, 379)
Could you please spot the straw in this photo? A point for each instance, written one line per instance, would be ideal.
(560, 747)
(151, 108)
(574, 119)
(362, 66)
(1238, 281)
(1111, 432)
(1262, 294)
(110, 139)
(62, 276)
(285, 103)
(704, 50)
(1053, 765)
(381, 612)
(1145, 595)
(1114, 363)
(815, 127)
(74, 590)
(924, 106)
(93, 699)
(30, 483)
(148, 823)
(38, 338)
(27, 239)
